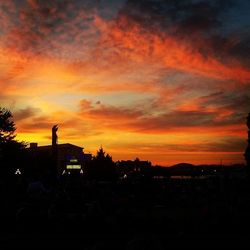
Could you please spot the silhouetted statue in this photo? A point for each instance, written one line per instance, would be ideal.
(54, 148)
(247, 152)
(54, 135)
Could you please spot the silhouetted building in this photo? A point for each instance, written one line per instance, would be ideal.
(60, 158)
(69, 157)
(135, 166)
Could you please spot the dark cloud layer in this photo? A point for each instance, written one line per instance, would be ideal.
(185, 16)
(198, 22)
(140, 120)
(229, 144)
(43, 27)
(25, 113)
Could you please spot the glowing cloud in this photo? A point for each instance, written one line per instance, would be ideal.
(161, 81)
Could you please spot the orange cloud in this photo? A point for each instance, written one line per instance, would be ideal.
(138, 91)
(130, 40)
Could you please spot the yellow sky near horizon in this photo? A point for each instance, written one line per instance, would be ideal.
(110, 79)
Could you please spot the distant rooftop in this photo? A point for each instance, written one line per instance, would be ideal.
(63, 145)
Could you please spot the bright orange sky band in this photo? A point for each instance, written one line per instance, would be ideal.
(108, 79)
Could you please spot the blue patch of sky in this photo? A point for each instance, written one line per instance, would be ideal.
(237, 19)
(109, 9)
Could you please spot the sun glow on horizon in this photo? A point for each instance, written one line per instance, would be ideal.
(135, 82)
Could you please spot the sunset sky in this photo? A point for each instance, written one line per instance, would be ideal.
(163, 80)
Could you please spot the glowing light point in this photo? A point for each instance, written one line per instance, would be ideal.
(18, 172)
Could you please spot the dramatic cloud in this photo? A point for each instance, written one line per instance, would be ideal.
(164, 80)
(25, 113)
(132, 41)
(105, 112)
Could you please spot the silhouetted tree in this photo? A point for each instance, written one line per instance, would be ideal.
(10, 149)
(102, 166)
(7, 126)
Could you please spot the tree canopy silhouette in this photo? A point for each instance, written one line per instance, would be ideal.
(10, 149)
(7, 126)
(102, 166)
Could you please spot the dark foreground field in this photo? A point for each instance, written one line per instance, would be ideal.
(74, 213)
